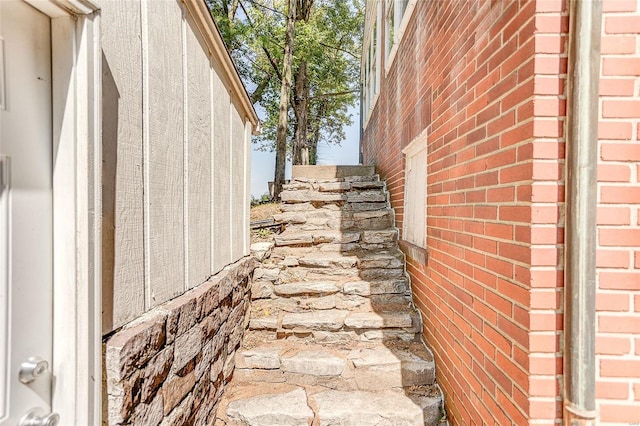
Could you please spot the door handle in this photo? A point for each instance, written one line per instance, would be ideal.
(36, 417)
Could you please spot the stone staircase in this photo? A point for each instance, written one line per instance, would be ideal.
(334, 338)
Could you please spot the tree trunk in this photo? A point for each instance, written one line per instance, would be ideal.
(315, 132)
(285, 89)
(301, 105)
(232, 11)
(301, 96)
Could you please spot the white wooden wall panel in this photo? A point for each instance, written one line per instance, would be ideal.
(164, 151)
(237, 184)
(247, 186)
(176, 160)
(198, 152)
(221, 175)
(122, 235)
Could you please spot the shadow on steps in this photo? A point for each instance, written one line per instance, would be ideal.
(334, 337)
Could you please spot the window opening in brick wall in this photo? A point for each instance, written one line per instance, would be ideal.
(397, 14)
(371, 57)
(414, 227)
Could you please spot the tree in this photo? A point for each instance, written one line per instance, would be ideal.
(285, 88)
(325, 66)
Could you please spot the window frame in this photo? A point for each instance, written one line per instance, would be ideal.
(371, 62)
(399, 28)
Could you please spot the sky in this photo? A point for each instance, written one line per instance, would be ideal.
(263, 163)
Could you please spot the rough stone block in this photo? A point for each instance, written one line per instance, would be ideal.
(150, 414)
(187, 347)
(320, 320)
(155, 373)
(132, 347)
(288, 409)
(367, 408)
(180, 415)
(334, 186)
(266, 358)
(261, 250)
(306, 288)
(261, 290)
(382, 261)
(359, 320)
(266, 274)
(380, 236)
(313, 362)
(263, 323)
(366, 197)
(175, 389)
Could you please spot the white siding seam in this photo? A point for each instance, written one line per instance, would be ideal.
(231, 171)
(211, 171)
(185, 157)
(247, 189)
(146, 222)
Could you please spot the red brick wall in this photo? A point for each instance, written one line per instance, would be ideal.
(488, 84)
(618, 256)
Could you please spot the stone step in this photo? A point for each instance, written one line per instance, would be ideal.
(265, 289)
(321, 236)
(334, 183)
(389, 259)
(365, 220)
(359, 366)
(311, 208)
(347, 240)
(338, 319)
(275, 304)
(320, 196)
(270, 404)
(359, 408)
(288, 407)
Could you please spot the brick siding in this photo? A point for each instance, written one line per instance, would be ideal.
(487, 81)
(618, 259)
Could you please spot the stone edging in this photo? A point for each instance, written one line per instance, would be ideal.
(171, 365)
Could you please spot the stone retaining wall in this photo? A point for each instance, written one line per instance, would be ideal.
(170, 367)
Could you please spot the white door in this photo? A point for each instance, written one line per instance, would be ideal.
(25, 214)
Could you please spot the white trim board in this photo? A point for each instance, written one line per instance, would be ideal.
(76, 90)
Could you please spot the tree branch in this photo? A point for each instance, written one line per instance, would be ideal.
(264, 48)
(328, 95)
(267, 8)
(340, 49)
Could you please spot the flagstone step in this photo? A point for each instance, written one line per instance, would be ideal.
(358, 408)
(383, 303)
(359, 366)
(319, 209)
(345, 195)
(362, 220)
(363, 260)
(263, 289)
(281, 404)
(334, 320)
(285, 408)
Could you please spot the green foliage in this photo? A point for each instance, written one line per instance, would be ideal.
(329, 42)
(264, 199)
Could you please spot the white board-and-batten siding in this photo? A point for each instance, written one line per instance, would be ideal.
(176, 141)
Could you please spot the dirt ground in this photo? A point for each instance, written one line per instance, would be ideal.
(264, 211)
